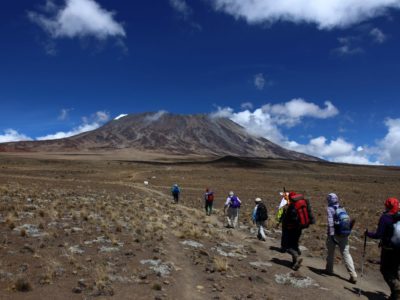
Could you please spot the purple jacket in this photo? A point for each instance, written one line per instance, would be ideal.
(384, 230)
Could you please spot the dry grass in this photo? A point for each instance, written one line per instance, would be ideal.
(221, 264)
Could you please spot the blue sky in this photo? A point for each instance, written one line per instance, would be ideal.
(320, 77)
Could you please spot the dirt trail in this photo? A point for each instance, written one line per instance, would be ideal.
(329, 287)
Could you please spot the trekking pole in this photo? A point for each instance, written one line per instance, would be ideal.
(363, 259)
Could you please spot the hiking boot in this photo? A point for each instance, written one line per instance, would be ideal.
(328, 272)
(353, 280)
(297, 264)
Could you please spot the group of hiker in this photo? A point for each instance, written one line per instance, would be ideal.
(295, 214)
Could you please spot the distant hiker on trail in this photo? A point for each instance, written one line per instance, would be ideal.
(339, 229)
(231, 210)
(208, 201)
(295, 218)
(260, 215)
(389, 233)
(175, 191)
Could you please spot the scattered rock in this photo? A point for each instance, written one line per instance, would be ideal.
(160, 268)
(77, 290)
(295, 279)
(193, 244)
(77, 249)
(260, 264)
(30, 230)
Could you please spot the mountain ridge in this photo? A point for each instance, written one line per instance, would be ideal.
(166, 133)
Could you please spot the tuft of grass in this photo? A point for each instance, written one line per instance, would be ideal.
(221, 264)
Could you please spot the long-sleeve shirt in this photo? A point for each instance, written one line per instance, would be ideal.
(254, 214)
(331, 211)
(385, 222)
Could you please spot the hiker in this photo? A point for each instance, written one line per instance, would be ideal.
(339, 229)
(232, 206)
(260, 215)
(208, 201)
(296, 217)
(390, 248)
(278, 218)
(175, 191)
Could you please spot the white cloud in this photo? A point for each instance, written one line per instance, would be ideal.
(389, 146)
(247, 105)
(269, 121)
(181, 7)
(259, 81)
(11, 135)
(89, 124)
(326, 14)
(348, 46)
(378, 35)
(64, 114)
(78, 18)
(265, 121)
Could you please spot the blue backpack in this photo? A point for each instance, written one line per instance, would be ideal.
(175, 190)
(342, 222)
(234, 202)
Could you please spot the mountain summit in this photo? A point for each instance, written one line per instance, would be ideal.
(164, 133)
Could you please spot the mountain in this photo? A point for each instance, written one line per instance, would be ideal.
(169, 134)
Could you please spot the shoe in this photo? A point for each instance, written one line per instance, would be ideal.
(353, 280)
(327, 272)
(297, 264)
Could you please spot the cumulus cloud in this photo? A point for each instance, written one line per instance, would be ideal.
(266, 120)
(259, 81)
(270, 120)
(77, 18)
(389, 146)
(88, 124)
(11, 135)
(325, 14)
(378, 35)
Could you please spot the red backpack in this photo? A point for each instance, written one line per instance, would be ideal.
(301, 210)
(210, 197)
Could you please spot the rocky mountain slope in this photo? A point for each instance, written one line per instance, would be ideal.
(165, 133)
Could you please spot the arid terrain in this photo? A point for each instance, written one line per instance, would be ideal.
(91, 229)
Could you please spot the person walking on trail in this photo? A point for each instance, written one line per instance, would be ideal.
(388, 232)
(175, 191)
(208, 201)
(279, 215)
(231, 210)
(339, 229)
(297, 216)
(259, 216)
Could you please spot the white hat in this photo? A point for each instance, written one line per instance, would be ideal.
(258, 200)
(231, 193)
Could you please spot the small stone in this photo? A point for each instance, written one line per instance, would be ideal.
(77, 290)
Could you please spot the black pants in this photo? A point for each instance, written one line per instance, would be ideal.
(208, 207)
(176, 197)
(290, 242)
(390, 263)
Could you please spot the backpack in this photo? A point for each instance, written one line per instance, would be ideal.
(342, 222)
(395, 237)
(262, 213)
(210, 197)
(175, 190)
(234, 202)
(298, 212)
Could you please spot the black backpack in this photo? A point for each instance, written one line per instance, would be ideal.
(262, 213)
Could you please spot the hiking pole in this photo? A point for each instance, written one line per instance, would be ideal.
(363, 259)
